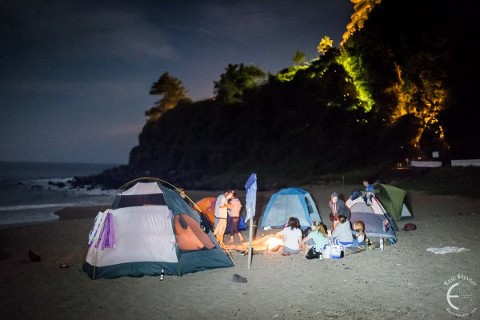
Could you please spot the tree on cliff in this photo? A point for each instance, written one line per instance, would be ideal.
(235, 81)
(299, 57)
(173, 92)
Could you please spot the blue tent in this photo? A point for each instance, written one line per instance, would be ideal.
(290, 202)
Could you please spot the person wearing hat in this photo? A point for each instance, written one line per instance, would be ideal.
(338, 207)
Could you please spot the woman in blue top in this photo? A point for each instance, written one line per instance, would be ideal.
(318, 237)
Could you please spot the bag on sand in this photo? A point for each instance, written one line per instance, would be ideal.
(312, 253)
(333, 251)
(409, 227)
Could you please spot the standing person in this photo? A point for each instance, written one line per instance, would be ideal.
(234, 206)
(292, 237)
(338, 207)
(370, 192)
(221, 215)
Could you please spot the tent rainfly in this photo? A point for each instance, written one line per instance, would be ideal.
(149, 229)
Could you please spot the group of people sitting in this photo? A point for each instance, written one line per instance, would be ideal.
(317, 237)
(313, 240)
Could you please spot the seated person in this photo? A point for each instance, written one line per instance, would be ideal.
(292, 237)
(317, 238)
(338, 207)
(342, 234)
(358, 233)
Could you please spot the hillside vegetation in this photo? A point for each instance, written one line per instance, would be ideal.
(398, 88)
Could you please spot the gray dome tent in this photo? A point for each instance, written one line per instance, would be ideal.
(150, 228)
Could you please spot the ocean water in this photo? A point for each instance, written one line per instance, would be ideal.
(31, 192)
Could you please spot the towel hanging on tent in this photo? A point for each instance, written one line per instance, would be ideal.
(107, 236)
(95, 229)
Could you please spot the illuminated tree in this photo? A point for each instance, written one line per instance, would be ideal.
(354, 67)
(173, 92)
(325, 44)
(299, 57)
(289, 73)
(361, 10)
(235, 81)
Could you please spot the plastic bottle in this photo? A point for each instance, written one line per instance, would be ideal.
(381, 244)
(162, 274)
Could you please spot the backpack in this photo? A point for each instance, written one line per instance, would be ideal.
(312, 253)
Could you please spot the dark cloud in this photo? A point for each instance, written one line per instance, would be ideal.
(76, 74)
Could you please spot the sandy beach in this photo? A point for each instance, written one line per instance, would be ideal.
(405, 281)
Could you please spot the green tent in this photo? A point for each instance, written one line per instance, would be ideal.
(394, 200)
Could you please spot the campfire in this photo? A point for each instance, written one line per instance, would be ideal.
(274, 242)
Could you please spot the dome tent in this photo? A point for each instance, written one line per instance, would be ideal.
(290, 202)
(150, 228)
(373, 216)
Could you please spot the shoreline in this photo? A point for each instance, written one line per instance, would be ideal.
(80, 212)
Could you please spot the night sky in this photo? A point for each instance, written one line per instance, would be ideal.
(75, 75)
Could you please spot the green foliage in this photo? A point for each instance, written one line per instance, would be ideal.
(354, 68)
(172, 91)
(299, 57)
(289, 73)
(235, 81)
(339, 113)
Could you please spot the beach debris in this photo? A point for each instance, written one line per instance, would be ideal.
(245, 252)
(446, 250)
(239, 278)
(409, 227)
(64, 266)
(34, 257)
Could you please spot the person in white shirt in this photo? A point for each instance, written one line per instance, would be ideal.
(292, 237)
(221, 215)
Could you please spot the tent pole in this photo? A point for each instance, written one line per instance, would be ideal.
(225, 249)
(250, 229)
